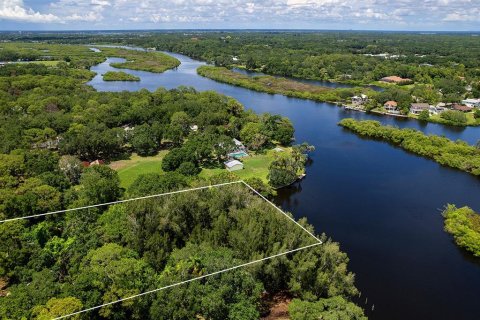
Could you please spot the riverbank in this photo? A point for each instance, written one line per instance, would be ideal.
(119, 76)
(464, 225)
(276, 85)
(156, 62)
(454, 154)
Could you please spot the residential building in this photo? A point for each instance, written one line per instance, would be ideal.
(462, 108)
(417, 108)
(358, 100)
(391, 107)
(233, 165)
(471, 103)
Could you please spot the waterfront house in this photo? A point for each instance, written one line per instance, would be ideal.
(358, 100)
(391, 107)
(462, 108)
(417, 108)
(233, 165)
(471, 103)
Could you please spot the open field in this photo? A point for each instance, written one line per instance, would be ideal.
(128, 170)
(255, 165)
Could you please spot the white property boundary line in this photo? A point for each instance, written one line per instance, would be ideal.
(117, 202)
(190, 280)
(317, 240)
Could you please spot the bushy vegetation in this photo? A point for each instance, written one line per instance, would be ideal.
(82, 57)
(119, 76)
(275, 85)
(86, 258)
(52, 126)
(455, 154)
(464, 225)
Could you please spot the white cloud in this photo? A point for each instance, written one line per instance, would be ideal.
(410, 14)
(16, 10)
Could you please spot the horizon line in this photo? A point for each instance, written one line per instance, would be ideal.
(237, 29)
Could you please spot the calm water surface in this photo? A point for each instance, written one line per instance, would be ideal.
(381, 203)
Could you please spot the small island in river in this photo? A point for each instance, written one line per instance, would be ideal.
(119, 76)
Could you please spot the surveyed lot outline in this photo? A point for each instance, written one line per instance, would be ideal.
(317, 240)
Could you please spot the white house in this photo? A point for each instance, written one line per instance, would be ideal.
(391, 107)
(417, 108)
(471, 103)
(361, 99)
(233, 165)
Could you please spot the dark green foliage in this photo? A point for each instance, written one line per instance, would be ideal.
(91, 142)
(175, 158)
(456, 154)
(454, 117)
(145, 140)
(155, 183)
(99, 184)
(424, 115)
(188, 169)
(335, 308)
(476, 113)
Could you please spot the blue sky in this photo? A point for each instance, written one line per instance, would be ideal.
(443, 15)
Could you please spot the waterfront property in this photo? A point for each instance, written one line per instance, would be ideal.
(359, 100)
(462, 108)
(391, 107)
(233, 165)
(417, 108)
(471, 103)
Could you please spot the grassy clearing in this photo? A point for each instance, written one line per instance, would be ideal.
(129, 170)
(46, 63)
(255, 165)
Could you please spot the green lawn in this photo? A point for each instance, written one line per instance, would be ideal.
(48, 63)
(129, 170)
(255, 165)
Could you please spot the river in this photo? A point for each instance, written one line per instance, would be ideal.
(381, 203)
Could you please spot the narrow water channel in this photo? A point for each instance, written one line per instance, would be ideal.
(381, 203)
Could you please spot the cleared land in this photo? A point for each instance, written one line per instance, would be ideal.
(128, 170)
(255, 165)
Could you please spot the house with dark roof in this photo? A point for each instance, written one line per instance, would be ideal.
(417, 108)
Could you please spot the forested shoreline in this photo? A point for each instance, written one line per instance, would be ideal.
(58, 134)
(454, 154)
(274, 85)
(464, 225)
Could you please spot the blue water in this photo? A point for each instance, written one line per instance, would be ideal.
(381, 203)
